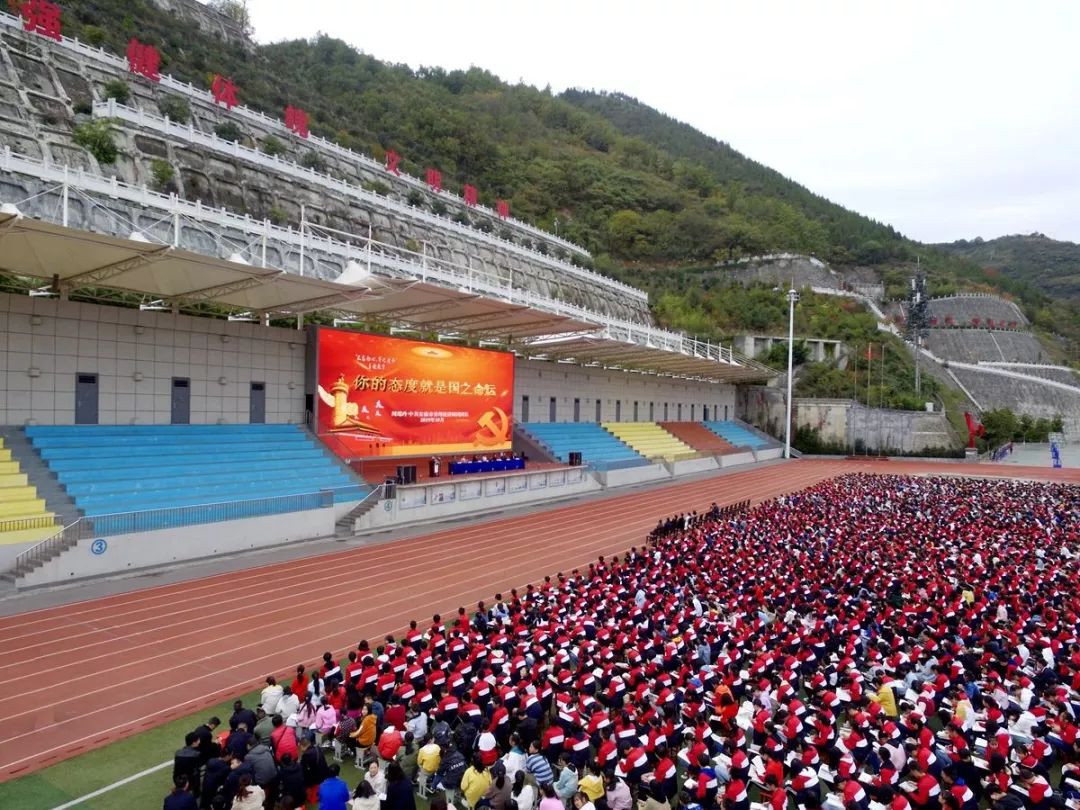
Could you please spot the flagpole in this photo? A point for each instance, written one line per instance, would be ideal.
(869, 377)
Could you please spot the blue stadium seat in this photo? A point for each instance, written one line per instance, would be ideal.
(596, 445)
(112, 469)
(736, 434)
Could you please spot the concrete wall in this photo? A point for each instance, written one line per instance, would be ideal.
(820, 349)
(45, 343)
(633, 475)
(617, 392)
(844, 421)
(446, 499)
(129, 552)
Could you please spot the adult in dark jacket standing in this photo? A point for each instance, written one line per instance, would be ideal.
(399, 792)
(186, 763)
(242, 715)
(291, 780)
(180, 798)
(313, 764)
(217, 772)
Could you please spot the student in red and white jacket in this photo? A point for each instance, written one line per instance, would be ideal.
(927, 792)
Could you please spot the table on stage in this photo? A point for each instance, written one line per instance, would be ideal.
(498, 465)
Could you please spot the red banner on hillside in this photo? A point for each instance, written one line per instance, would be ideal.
(383, 396)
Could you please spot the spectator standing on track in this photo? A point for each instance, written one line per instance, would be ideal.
(180, 798)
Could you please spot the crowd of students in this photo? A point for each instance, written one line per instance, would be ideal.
(871, 643)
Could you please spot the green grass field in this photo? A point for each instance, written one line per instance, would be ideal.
(78, 776)
(93, 770)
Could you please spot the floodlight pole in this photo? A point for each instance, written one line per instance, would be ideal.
(792, 297)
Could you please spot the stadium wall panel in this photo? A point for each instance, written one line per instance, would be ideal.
(130, 552)
(45, 343)
(540, 380)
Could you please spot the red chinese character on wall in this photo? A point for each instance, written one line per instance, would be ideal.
(224, 91)
(502, 208)
(434, 179)
(144, 60)
(41, 17)
(392, 161)
(469, 193)
(296, 120)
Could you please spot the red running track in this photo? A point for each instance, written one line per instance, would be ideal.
(140, 659)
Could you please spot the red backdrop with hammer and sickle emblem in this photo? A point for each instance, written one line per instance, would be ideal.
(384, 396)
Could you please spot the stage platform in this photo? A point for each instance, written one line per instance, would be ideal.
(377, 470)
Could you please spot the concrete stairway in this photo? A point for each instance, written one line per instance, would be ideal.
(345, 527)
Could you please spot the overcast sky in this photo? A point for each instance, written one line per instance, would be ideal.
(945, 119)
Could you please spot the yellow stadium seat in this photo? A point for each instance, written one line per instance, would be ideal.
(23, 516)
(650, 440)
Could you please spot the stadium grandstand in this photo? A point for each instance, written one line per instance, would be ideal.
(173, 361)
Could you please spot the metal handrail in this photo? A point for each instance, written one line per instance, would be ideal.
(111, 109)
(27, 523)
(171, 517)
(115, 62)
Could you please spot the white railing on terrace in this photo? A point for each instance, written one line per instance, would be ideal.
(189, 133)
(382, 256)
(116, 62)
(775, 257)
